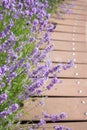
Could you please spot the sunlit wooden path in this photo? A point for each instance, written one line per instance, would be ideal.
(70, 42)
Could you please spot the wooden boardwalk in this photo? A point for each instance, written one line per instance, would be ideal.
(70, 42)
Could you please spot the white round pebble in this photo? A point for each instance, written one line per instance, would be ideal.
(74, 60)
(73, 54)
(78, 82)
(75, 66)
(73, 48)
(79, 91)
(85, 113)
(76, 74)
(83, 102)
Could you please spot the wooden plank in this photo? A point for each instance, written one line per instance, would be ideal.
(74, 108)
(77, 17)
(73, 17)
(72, 125)
(82, 1)
(80, 7)
(80, 12)
(70, 29)
(68, 22)
(78, 3)
(73, 13)
(76, 14)
(68, 46)
(68, 87)
(77, 71)
(64, 56)
(68, 36)
(75, 3)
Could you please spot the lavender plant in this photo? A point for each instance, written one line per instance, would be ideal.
(22, 74)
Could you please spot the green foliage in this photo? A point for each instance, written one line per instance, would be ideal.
(17, 85)
(26, 50)
(53, 4)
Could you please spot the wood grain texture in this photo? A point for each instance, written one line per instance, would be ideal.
(72, 72)
(69, 36)
(77, 17)
(68, 22)
(72, 106)
(72, 125)
(77, 3)
(80, 7)
(56, 36)
(74, 16)
(68, 87)
(71, 29)
(80, 12)
(68, 46)
(69, 39)
(64, 56)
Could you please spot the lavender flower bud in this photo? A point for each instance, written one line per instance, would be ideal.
(62, 116)
(3, 97)
(42, 122)
(1, 17)
(3, 114)
(58, 127)
(13, 108)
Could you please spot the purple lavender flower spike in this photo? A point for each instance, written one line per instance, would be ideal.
(3, 97)
(3, 69)
(2, 85)
(10, 25)
(20, 5)
(54, 117)
(35, 22)
(3, 114)
(68, 65)
(42, 122)
(13, 108)
(62, 116)
(53, 81)
(1, 16)
(58, 127)
(61, 128)
(46, 115)
(38, 92)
